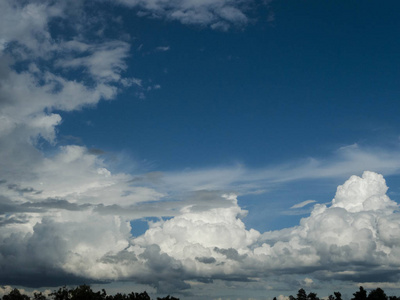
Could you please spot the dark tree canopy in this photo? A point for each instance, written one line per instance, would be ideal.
(360, 295)
(82, 292)
(301, 294)
(312, 296)
(338, 296)
(15, 294)
(39, 296)
(377, 294)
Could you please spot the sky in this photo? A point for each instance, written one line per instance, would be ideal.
(230, 149)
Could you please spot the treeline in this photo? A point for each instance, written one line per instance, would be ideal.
(376, 294)
(82, 292)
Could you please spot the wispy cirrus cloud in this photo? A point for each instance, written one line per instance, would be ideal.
(341, 163)
(104, 61)
(163, 48)
(302, 204)
(216, 14)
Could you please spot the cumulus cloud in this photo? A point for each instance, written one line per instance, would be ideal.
(349, 239)
(356, 237)
(357, 243)
(47, 221)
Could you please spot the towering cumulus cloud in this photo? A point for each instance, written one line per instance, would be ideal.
(355, 237)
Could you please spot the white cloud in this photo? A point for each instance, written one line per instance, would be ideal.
(162, 48)
(26, 23)
(341, 164)
(196, 233)
(104, 63)
(362, 195)
(302, 204)
(215, 243)
(47, 202)
(216, 14)
(340, 234)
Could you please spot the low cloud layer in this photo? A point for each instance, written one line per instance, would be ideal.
(353, 238)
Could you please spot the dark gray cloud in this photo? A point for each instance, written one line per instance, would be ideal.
(13, 219)
(53, 203)
(161, 263)
(167, 274)
(206, 260)
(39, 276)
(123, 256)
(7, 206)
(149, 178)
(96, 151)
(22, 190)
(230, 253)
(205, 280)
(31, 260)
(70, 139)
(361, 274)
(155, 209)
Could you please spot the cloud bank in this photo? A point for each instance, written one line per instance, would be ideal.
(353, 238)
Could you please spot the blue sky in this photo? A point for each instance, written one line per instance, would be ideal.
(319, 77)
(194, 147)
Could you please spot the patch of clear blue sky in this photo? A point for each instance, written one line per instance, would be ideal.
(324, 74)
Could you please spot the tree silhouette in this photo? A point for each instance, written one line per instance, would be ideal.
(301, 295)
(15, 294)
(84, 292)
(61, 294)
(312, 296)
(168, 298)
(377, 294)
(360, 295)
(338, 296)
(39, 296)
(141, 296)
